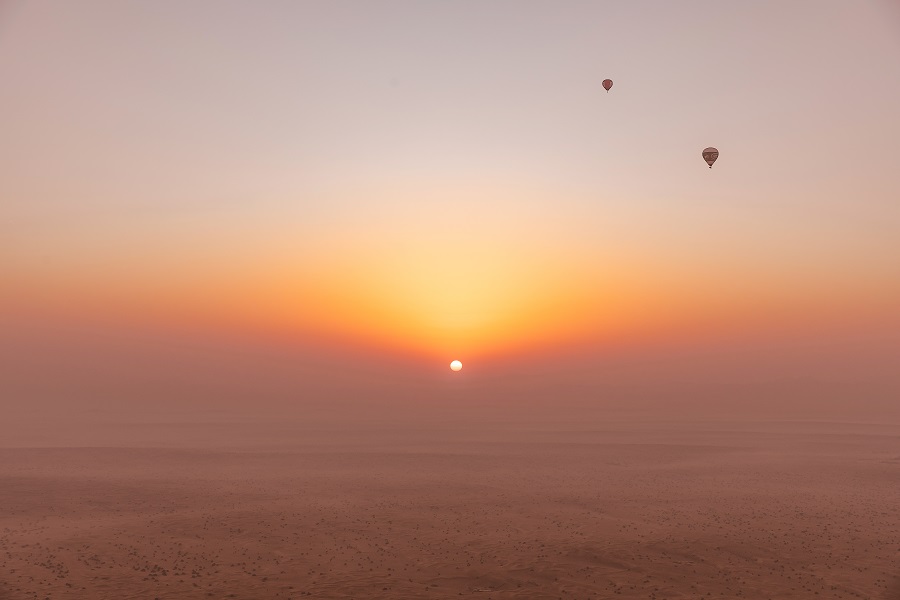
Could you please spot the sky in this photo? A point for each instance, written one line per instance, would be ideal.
(304, 204)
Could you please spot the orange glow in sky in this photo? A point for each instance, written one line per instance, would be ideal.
(346, 177)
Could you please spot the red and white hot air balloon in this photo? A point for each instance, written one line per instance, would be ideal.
(710, 155)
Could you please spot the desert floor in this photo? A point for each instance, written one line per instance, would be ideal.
(618, 510)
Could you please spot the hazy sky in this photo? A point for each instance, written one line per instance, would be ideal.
(303, 200)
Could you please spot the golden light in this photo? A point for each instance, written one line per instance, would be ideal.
(455, 365)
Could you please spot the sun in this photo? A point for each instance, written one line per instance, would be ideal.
(455, 365)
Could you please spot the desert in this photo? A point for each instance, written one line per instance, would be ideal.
(624, 510)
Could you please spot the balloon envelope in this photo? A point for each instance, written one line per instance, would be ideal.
(607, 83)
(710, 155)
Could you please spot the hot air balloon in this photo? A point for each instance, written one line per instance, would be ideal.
(710, 155)
(607, 83)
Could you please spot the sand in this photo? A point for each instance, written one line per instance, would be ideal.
(622, 510)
